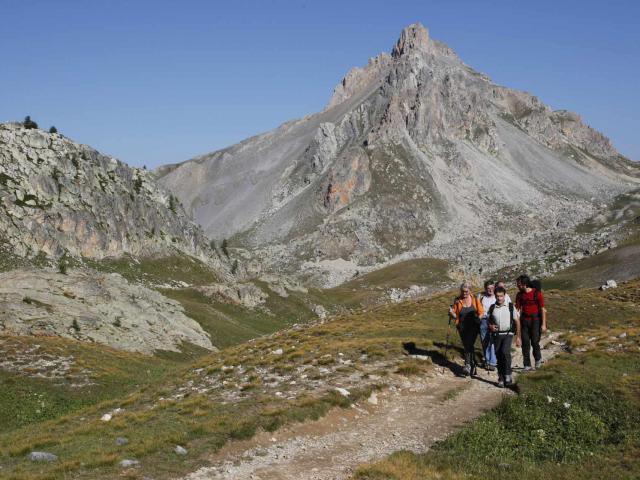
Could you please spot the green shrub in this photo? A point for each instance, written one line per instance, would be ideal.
(137, 185)
(62, 265)
(173, 202)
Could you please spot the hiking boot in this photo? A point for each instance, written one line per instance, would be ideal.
(466, 370)
(508, 381)
(501, 382)
(491, 368)
(538, 364)
(527, 368)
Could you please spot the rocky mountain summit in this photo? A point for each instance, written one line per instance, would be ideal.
(58, 197)
(416, 154)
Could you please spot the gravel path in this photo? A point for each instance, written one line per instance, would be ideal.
(411, 415)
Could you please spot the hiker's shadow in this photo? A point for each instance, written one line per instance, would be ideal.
(436, 356)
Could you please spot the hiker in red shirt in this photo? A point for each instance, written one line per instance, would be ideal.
(530, 303)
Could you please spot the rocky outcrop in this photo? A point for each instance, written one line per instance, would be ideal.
(94, 307)
(58, 197)
(244, 294)
(413, 155)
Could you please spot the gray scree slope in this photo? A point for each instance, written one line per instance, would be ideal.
(408, 158)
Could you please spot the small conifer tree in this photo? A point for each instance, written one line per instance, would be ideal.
(28, 123)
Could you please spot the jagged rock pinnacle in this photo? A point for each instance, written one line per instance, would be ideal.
(413, 37)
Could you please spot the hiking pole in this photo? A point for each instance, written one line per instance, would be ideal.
(446, 347)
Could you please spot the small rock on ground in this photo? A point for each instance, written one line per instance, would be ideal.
(42, 457)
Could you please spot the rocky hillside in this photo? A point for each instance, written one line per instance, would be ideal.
(58, 197)
(94, 307)
(416, 154)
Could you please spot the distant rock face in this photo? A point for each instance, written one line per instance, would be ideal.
(247, 295)
(94, 307)
(57, 197)
(415, 154)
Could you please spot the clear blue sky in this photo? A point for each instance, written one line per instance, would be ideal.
(155, 82)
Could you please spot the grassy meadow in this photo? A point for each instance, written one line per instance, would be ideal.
(577, 418)
(204, 402)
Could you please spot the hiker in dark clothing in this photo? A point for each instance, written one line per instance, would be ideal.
(466, 311)
(504, 322)
(530, 303)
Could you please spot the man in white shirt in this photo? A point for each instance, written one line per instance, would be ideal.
(507, 298)
(487, 298)
(504, 322)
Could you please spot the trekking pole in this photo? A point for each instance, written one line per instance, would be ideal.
(446, 348)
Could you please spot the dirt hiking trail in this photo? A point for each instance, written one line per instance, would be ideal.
(412, 414)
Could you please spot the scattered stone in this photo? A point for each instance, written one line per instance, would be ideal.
(320, 311)
(121, 441)
(278, 351)
(373, 398)
(609, 284)
(342, 391)
(42, 457)
(128, 463)
(106, 417)
(180, 450)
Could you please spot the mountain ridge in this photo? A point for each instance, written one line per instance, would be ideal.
(62, 198)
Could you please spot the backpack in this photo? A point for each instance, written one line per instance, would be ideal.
(536, 298)
(512, 326)
(537, 285)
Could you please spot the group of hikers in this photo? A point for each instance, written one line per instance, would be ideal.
(492, 316)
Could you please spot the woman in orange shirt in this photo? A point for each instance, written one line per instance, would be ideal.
(466, 311)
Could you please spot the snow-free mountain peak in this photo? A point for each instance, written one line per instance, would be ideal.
(416, 154)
